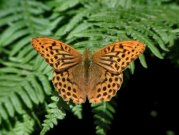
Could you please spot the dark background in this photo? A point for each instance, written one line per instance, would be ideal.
(147, 104)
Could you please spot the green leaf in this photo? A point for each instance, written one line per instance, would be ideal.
(20, 44)
(27, 88)
(9, 107)
(16, 103)
(37, 88)
(132, 67)
(143, 61)
(77, 110)
(3, 113)
(45, 83)
(153, 49)
(14, 37)
(24, 97)
(64, 5)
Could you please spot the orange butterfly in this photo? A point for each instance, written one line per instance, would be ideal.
(97, 77)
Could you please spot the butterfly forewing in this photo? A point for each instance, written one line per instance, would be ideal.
(58, 54)
(117, 56)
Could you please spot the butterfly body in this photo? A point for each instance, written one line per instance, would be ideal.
(95, 76)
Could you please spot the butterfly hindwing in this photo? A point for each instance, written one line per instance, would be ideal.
(103, 84)
(67, 87)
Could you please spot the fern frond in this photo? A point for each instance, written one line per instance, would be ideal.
(103, 116)
(117, 23)
(77, 110)
(15, 87)
(22, 28)
(26, 127)
(23, 126)
(53, 115)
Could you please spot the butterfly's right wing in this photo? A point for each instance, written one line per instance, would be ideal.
(110, 61)
(58, 54)
(116, 57)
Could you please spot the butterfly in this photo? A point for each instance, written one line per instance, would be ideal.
(96, 77)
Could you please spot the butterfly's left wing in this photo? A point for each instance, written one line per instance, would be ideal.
(116, 57)
(110, 61)
(66, 62)
(58, 54)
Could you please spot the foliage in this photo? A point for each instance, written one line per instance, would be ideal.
(25, 79)
(22, 126)
(53, 114)
(103, 116)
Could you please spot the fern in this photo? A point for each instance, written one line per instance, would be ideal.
(23, 126)
(77, 110)
(22, 86)
(25, 77)
(103, 116)
(16, 88)
(54, 113)
(141, 23)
